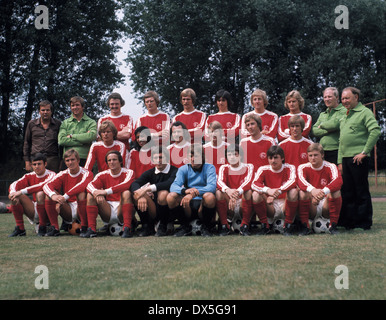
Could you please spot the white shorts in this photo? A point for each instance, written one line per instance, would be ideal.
(74, 210)
(319, 208)
(36, 216)
(114, 205)
(278, 205)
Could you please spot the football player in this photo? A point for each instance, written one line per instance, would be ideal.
(294, 102)
(215, 149)
(295, 147)
(109, 196)
(66, 194)
(193, 190)
(150, 191)
(179, 149)
(230, 121)
(109, 134)
(123, 122)
(269, 120)
(30, 184)
(256, 145)
(275, 195)
(320, 183)
(234, 187)
(193, 119)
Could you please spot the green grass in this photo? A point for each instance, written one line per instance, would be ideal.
(195, 268)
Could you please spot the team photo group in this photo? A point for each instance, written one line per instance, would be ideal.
(259, 173)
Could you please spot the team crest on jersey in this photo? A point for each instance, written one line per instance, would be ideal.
(263, 155)
(266, 127)
(303, 155)
(229, 124)
(159, 126)
(323, 182)
(222, 161)
(195, 124)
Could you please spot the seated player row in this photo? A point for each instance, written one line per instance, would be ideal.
(164, 193)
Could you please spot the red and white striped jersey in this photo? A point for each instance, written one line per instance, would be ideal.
(155, 122)
(194, 122)
(98, 152)
(255, 151)
(239, 178)
(31, 183)
(120, 122)
(267, 178)
(113, 184)
(283, 132)
(179, 155)
(230, 123)
(68, 185)
(327, 177)
(269, 122)
(216, 155)
(295, 151)
(139, 161)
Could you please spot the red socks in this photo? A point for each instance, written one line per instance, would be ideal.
(291, 207)
(52, 213)
(246, 209)
(222, 210)
(82, 212)
(92, 215)
(261, 211)
(334, 205)
(43, 218)
(304, 211)
(127, 213)
(18, 212)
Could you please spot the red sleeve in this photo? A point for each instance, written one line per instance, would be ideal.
(125, 184)
(335, 176)
(82, 184)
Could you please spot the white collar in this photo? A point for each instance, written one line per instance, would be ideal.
(166, 170)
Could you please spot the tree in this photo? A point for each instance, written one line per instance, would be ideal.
(275, 45)
(75, 56)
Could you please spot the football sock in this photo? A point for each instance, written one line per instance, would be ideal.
(261, 211)
(335, 205)
(82, 211)
(52, 213)
(92, 215)
(163, 214)
(222, 210)
(246, 210)
(304, 211)
(291, 208)
(43, 218)
(207, 215)
(127, 213)
(18, 211)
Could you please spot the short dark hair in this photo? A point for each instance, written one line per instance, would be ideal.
(44, 103)
(120, 158)
(226, 95)
(275, 150)
(115, 95)
(38, 156)
(235, 148)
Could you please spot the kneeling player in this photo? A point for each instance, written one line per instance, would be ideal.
(71, 205)
(194, 190)
(31, 183)
(234, 186)
(109, 196)
(320, 183)
(150, 191)
(275, 195)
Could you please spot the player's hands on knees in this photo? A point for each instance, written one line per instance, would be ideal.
(186, 201)
(142, 204)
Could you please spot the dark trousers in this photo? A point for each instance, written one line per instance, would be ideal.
(331, 156)
(357, 209)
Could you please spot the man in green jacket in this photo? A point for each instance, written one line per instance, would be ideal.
(78, 131)
(327, 126)
(359, 132)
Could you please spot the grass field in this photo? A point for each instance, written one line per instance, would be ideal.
(195, 268)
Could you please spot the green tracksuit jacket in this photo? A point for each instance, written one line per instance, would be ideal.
(83, 134)
(359, 132)
(327, 127)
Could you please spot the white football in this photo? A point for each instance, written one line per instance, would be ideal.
(196, 227)
(321, 225)
(278, 226)
(116, 229)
